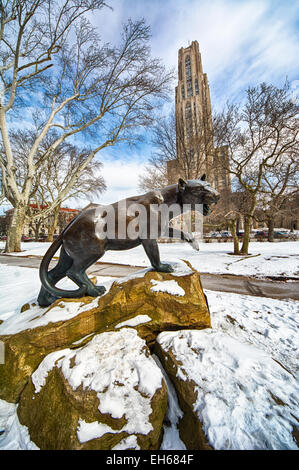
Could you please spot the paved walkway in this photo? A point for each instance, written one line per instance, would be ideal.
(276, 289)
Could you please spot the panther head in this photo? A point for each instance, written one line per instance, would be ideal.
(197, 192)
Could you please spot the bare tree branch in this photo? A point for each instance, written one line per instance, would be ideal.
(77, 85)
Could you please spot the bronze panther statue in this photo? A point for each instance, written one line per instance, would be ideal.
(84, 240)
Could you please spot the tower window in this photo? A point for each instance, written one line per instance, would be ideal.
(188, 112)
(196, 87)
(188, 66)
(189, 87)
(188, 116)
(183, 92)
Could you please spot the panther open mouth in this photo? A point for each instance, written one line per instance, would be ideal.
(206, 209)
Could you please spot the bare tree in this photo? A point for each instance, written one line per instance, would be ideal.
(2, 194)
(228, 213)
(280, 185)
(76, 84)
(260, 135)
(163, 139)
(53, 176)
(173, 146)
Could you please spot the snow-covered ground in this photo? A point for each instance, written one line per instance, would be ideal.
(244, 399)
(265, 259)
(269, 325)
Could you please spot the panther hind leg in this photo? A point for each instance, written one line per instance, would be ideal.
(78, 275)
(56, 274)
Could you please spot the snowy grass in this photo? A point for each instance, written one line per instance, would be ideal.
(265, 259)
(244, 398)
(269, 324)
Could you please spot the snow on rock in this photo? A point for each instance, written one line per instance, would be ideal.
(109, 387)
(15, 294)
(171, 287)
(40, 375)
(37, 316)
(128, 443)
(138, 320)
(243, 398)
(88, 431)
(180, 268)
(81, 340)
(116, 357)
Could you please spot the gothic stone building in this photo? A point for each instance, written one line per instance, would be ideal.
(39, 228)
(196, 153)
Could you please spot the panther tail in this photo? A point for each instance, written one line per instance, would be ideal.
(43, 274)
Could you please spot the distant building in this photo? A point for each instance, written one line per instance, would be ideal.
(289, 214)
(39, 228)
(196, 153)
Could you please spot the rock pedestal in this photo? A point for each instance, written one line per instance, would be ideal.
(149, 301)
(83, 376)
(97, 396)
(81, 370)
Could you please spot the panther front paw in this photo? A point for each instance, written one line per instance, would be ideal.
(101, 290)
(96, 291)
(195, 245)
(165, 268)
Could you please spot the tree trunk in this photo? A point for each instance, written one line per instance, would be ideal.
(233, 229)
(246, 239)
(36, 229)
(270, 224)
(248, 220)
(53, 225)
(15, 230)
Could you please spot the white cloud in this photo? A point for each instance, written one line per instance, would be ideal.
(242, 42)
(121, 177)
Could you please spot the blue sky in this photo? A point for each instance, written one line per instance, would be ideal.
(242, 43)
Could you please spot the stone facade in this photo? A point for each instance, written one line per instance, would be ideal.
(40, 227)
